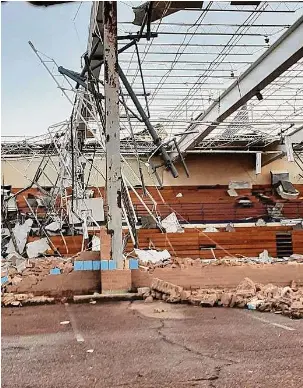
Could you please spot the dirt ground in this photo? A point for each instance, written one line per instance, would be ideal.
(134, 345)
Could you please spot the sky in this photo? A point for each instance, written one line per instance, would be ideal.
(30, 100)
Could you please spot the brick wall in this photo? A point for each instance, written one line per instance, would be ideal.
(105, 242)
(74, 283)
(119, 280)
(222, 276)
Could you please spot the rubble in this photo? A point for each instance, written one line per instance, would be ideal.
(21, 233)
(187, 262)
(36, 248)
(248, 294)
(34, 271)
(11, 299)
(152, 256)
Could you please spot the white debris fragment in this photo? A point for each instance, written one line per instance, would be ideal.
(35, 248)
(210, 229)
(96, 244)
(232, 193)
(64, 322)
(264, 257)
(20, 232)
(171, 224)
(179, 195)
(54, 226)
(151, 255)
(240, 185)
(260, 222)
(90, 351)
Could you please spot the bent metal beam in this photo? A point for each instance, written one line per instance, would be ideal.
(285, 52)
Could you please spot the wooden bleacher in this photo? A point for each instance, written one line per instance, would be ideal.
(200, 204)
(194, 243)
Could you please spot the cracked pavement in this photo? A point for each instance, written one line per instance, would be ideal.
(135, 345)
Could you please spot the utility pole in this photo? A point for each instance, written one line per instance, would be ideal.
(112, 129)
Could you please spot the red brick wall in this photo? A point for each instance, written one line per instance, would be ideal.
(222, 276)
(74, 283)
(105, 242)
(116, 280)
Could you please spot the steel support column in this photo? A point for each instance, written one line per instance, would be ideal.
(113, 158)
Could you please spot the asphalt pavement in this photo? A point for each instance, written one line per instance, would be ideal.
(135, 344)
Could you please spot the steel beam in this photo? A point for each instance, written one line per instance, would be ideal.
(150, 128)
(285, 52)
(112, 129)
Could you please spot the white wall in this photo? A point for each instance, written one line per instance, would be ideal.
(205, 169)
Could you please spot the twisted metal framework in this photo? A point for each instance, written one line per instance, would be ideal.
(176, 75)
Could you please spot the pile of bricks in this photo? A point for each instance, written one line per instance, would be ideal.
(267, 298)
(35, 271)
(17, 300)
(187, 262)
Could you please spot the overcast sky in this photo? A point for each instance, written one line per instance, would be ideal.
(29, 98)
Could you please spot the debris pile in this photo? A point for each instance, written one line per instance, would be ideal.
(151, 259)
(266, 298)
(29, 272)
(17, 300)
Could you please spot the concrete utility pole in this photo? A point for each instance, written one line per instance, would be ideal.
(113, 159)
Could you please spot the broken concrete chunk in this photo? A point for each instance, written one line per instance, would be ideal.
(149, 299)
(185, 295)
(225, 299)
(20, 232)
(209, 300)
(293, 285)
(246, 288)
(171, 224)
(264, 257)
(270, 291)
(37, 247)
(264, 306)
(143, 290)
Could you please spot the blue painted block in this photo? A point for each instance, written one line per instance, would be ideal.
(55, 271)
(88, 265)
(112, 265)
(133, 264)
(104, 265)
(78, 266)
(96, 265)
(4, 279)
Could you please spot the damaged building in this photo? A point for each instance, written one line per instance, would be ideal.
(179, 172)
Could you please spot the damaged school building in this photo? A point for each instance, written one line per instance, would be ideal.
(179, 173)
